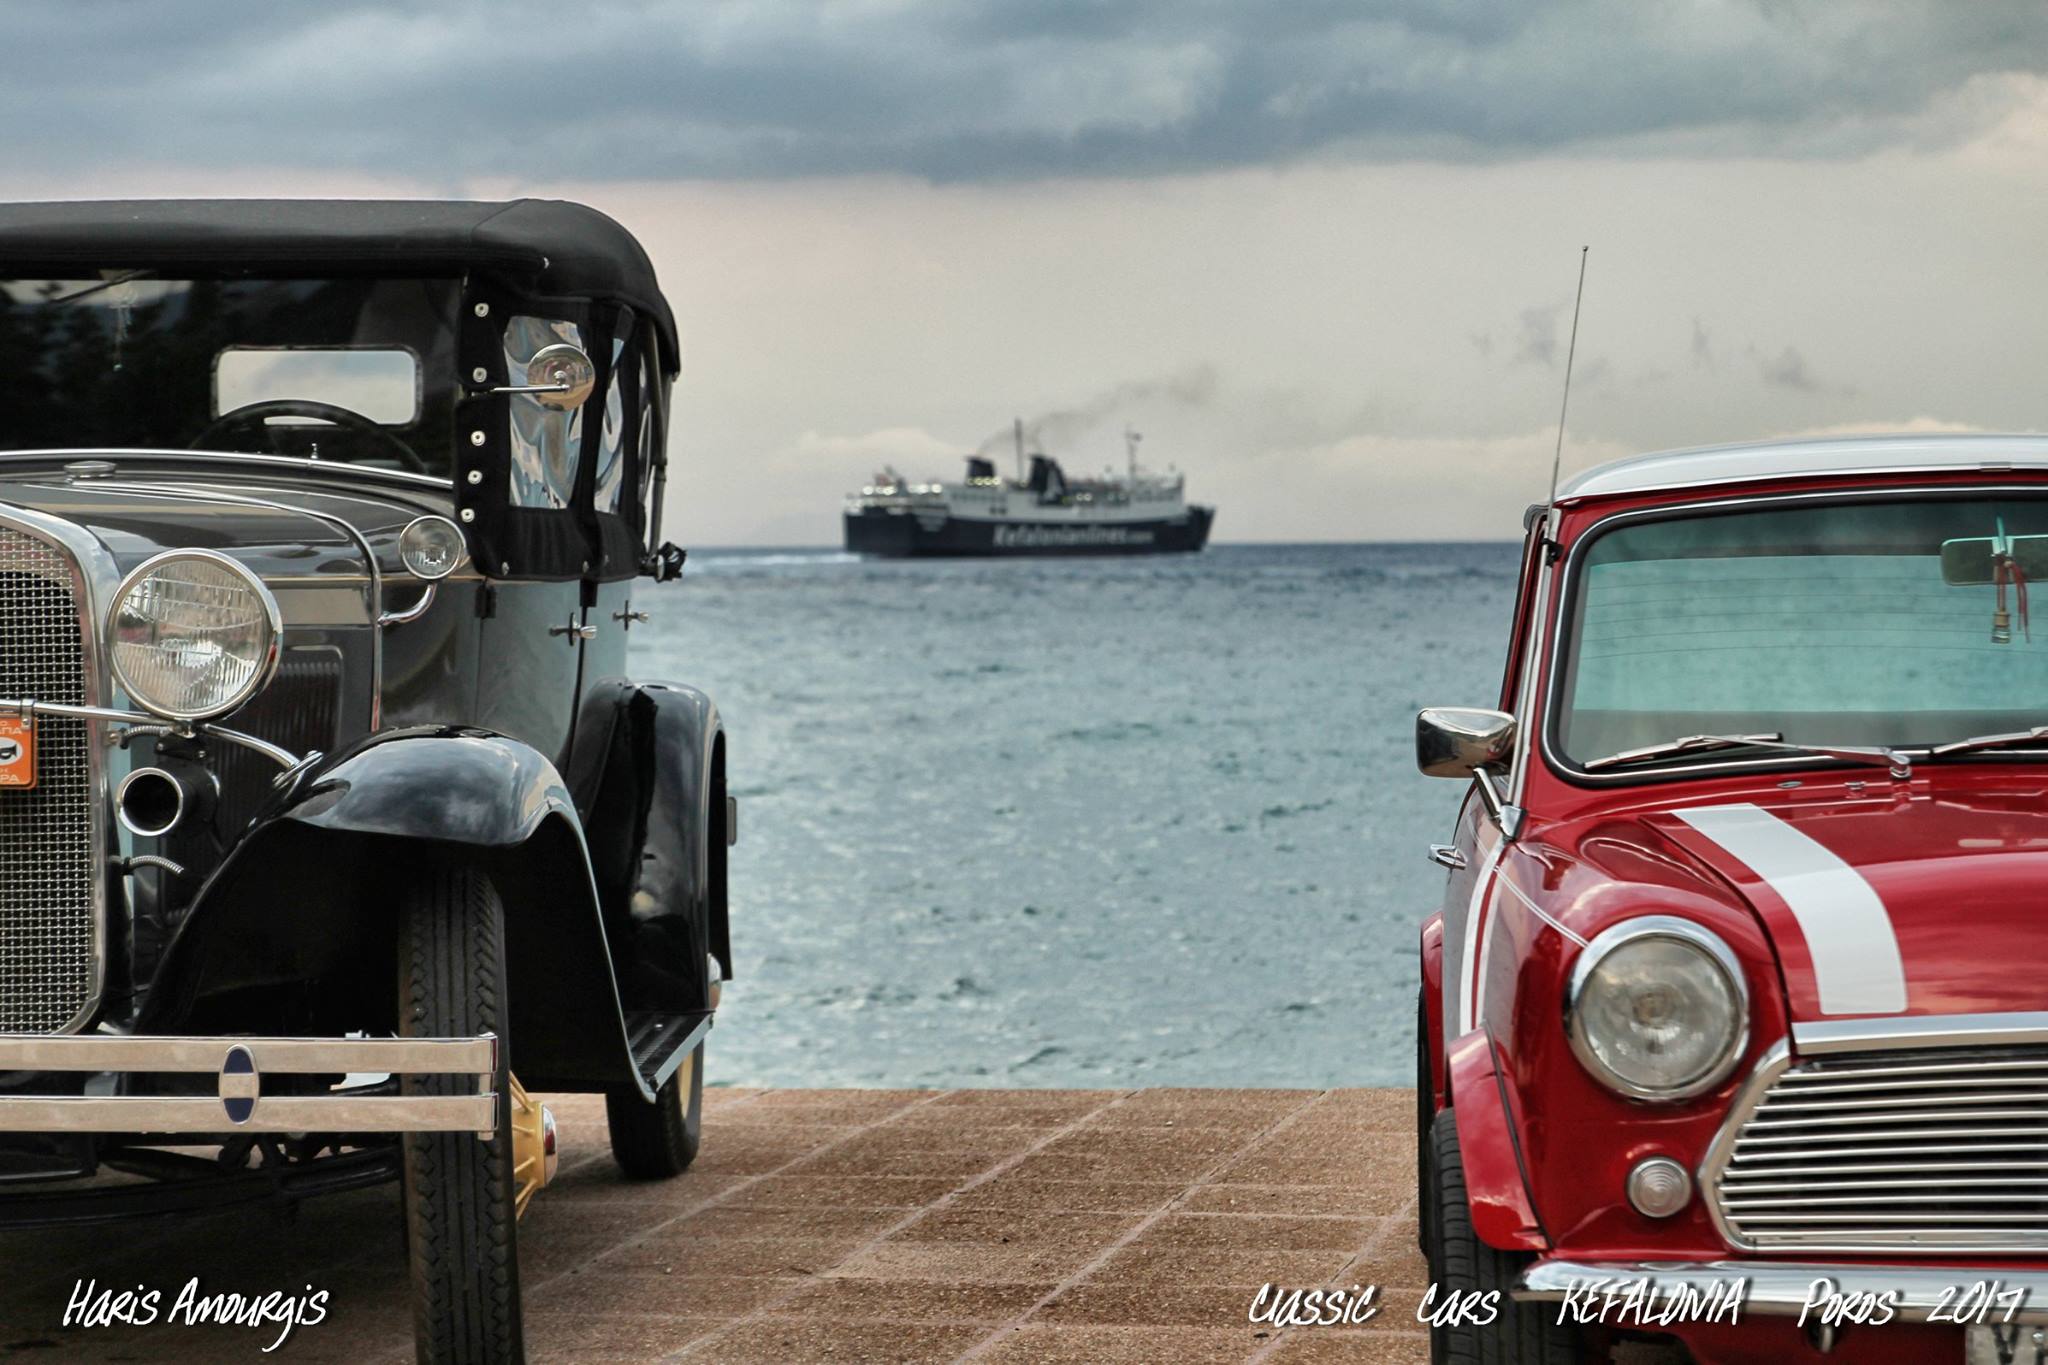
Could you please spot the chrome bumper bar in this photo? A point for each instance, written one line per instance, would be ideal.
(239, 1104)
(1786, 1288)
(30, 708)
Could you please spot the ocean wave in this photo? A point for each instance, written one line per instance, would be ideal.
(744, 561)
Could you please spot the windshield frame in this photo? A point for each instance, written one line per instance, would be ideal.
(1681, 768)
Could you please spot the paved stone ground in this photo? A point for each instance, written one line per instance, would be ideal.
(848, 1226)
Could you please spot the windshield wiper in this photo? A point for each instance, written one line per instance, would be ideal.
(1899, 764)
(110, 282)
(1966, 746)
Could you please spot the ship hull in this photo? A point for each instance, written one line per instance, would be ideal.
(902, 535)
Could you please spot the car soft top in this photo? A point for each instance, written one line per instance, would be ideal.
(543, 246)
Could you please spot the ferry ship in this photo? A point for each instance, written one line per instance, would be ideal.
(1042, 512)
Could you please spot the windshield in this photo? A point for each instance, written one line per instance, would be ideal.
(1896, 623)
(361, 370)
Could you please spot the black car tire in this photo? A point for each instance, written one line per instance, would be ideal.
(659, 1140)
(460, 1220)
(1425, 1118)
(1459, 1263)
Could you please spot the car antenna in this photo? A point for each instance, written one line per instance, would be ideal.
(1571, 352)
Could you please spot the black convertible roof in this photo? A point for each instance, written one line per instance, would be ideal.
(547, 246)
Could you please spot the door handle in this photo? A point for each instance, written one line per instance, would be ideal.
(574, 632)
(1447, 855)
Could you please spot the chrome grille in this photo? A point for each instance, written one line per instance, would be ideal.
(47, 971)
(1929, 1149)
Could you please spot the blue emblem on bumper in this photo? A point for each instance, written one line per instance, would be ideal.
(239, 1085)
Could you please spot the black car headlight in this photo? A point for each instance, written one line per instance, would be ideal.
(1656, 1008)
(192, 635)
(431, 548)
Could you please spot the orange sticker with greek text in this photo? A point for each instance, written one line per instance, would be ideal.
(17, 752)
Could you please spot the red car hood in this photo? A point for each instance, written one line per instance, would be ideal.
(1927, 901)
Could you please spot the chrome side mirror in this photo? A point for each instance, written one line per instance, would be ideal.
(559, 376)
(1462, 742)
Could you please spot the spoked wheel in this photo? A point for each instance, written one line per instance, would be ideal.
(659, 1140)
(459, 1192)
(1459, 1263)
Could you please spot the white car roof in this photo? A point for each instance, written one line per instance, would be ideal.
(1706, 465)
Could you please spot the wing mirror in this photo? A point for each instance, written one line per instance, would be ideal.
(1454, 741)
(559, 376)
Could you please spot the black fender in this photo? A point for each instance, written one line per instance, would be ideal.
(296, 930)
(648, 775)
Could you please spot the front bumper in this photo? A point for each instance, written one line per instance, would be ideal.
(1777, 1288)
(239, 1104)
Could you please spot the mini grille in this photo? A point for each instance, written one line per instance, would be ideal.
(46, 865)
(1927, 1150)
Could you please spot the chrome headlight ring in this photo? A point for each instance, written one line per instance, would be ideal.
(267, 624)
(1698, 939)
(432, 547)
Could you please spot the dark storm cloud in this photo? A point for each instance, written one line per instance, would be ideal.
(1787, 370)
(1536, 341)
(972, 89)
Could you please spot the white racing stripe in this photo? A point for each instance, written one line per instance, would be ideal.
(1491, 908)
(1507, 884)
(1474, 933)
(1856, 964)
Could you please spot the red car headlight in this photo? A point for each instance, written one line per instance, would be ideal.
(1656, 1008)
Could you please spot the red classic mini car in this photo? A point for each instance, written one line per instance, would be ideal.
(1734, 1026)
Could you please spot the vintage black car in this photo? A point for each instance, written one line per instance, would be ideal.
(331, 827)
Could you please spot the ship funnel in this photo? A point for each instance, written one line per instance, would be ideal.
(1046, 479)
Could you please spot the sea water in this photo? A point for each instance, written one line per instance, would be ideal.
(1083, 822)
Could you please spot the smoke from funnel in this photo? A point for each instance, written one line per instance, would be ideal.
(1065, 428)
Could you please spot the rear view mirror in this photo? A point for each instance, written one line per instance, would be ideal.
(559, 376)
(1968, 563)
(1460, 741)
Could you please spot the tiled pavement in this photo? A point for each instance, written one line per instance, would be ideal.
(848, 1225)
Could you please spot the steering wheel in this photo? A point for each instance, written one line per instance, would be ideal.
(256, 413)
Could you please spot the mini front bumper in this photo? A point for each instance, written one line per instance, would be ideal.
(1783, 1288)
(239, 1104)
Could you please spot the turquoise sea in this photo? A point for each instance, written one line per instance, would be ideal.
(1091, 822)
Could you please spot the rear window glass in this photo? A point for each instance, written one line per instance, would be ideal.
(382, 385)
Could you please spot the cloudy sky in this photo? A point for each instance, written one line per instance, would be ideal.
(1320, 253)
